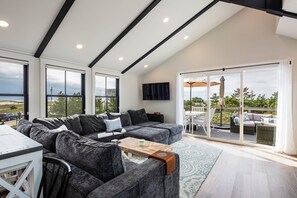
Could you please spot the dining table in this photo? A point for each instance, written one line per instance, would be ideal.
(192, 115)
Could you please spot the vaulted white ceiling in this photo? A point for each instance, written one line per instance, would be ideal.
(288, 26)
(96, 23)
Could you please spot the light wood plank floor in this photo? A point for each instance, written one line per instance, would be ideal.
(244, 171)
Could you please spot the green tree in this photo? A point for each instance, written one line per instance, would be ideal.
(272, 101)
(100, 105)
(214, 100)
(247, 94)
(112, 105)
(58, 107)
(260, 101)
(74, 105)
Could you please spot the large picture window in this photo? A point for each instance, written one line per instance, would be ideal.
(65, 92)
(13, 92)
(106, 94)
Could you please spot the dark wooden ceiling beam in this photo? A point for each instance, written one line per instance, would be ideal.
(171, 35)
(123, 34)
(274, 7)
(55, 25)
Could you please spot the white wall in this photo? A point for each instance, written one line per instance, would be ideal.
(130, 92)
(248, 37)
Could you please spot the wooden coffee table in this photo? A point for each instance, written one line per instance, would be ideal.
(131, 146)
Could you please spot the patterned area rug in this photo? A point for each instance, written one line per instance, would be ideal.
(196, 161)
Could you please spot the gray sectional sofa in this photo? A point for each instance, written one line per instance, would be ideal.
(98, 168)
(135, 123)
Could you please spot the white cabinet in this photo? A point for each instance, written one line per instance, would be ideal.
(22, 156)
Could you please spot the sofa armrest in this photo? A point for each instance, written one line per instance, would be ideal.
(145, 180)
(155, 118)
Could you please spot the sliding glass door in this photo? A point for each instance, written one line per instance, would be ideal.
(196, 105)
(233, 106)
(225, 102)
(260, 104)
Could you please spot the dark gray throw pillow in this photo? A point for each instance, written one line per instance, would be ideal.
(102, 160)
(138, 116)
(50, 123)
(71, 122)
(125, 118)
(92, 124)
(24, 127)
(44, 136)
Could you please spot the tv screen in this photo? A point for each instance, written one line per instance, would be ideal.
(156, 91)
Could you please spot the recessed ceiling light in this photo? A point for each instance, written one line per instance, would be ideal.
(3, 24)
(165, 20)
(186, 37)
(121, 58)
(79, 46)
(145, 66)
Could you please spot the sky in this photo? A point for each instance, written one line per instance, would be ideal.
(11, 81)
(264, 81)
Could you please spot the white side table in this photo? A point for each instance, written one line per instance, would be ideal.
(18, 152)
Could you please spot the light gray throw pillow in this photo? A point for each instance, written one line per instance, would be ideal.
(112, 125)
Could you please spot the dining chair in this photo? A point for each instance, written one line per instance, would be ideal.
(56, 174)
(202, 121)
(198, 109)
(187, 121)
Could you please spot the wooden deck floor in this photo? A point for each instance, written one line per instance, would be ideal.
(243, 171)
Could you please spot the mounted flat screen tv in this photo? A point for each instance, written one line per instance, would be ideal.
(156, 91)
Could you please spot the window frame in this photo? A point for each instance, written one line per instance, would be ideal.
(25, 93)
(117, 97)
(83, 89)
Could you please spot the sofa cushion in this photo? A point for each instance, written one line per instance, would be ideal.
(112, 125)
(138, 116)
(81, 183)
(105, 137)
(125, 118)
(71, 122)
(151, 134)
(102, 160)
(50, 123)
(147, 124)
(131, 128)
(173, 128)
(92, 124)
(44, 136)
(24, 127)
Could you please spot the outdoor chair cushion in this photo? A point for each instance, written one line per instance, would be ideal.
(102, 160)
(138, 116)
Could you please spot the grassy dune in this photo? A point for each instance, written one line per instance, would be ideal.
(11, 107)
